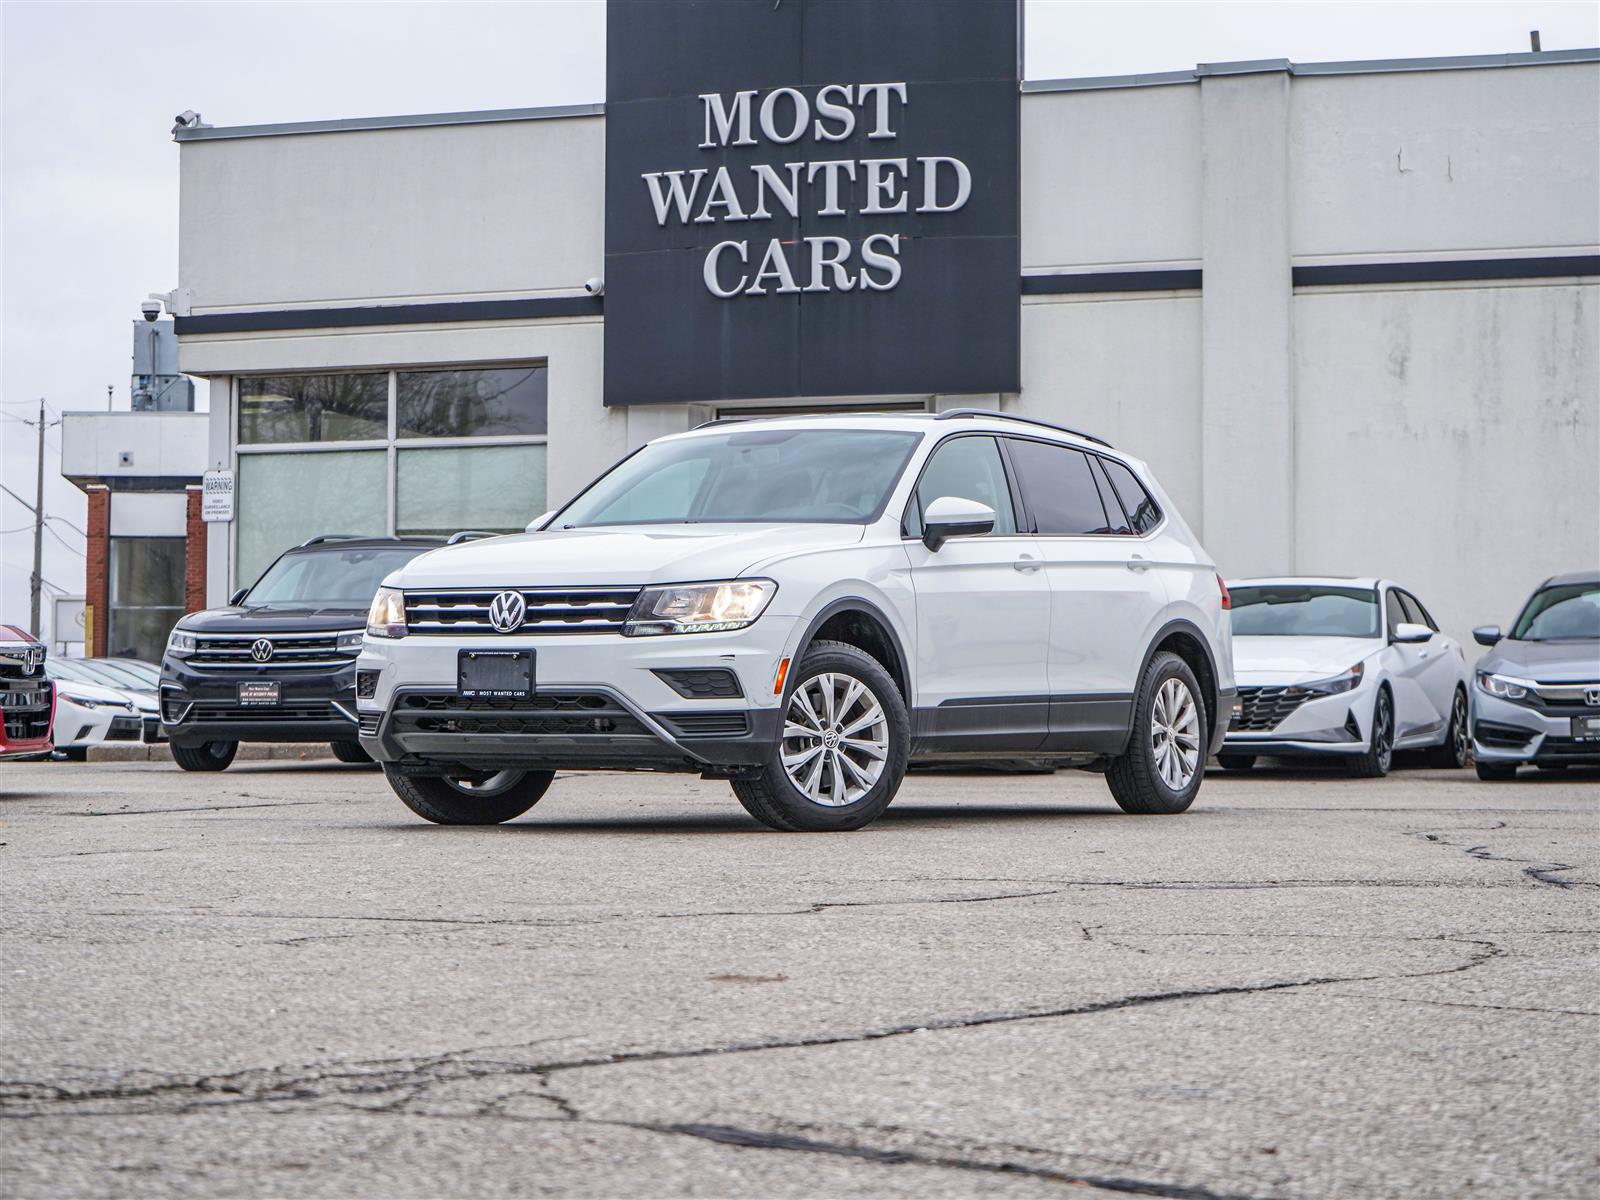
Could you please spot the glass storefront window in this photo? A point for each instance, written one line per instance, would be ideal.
(146, 595)
(286, 498)
(499, 488)
(347, 407)
(471, 403)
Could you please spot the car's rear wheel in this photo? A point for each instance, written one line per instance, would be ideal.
(1453, 752)
(482, 798)
(1496, 771)
(843, 749)
(208, 756)
(1236, 762)
(1161, 770)
(349, 752)
(1375, 761)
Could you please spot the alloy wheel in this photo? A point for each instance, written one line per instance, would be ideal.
(486, 785)
(1461, 736)
(835, 739)
(1383, 730)
(1175, 734)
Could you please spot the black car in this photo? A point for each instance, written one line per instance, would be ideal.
(278, 664)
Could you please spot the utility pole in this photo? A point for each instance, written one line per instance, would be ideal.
(38, 533)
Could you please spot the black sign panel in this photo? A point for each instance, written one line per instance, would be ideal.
(811, 198)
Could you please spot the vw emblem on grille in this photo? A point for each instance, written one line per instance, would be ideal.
(506, 612)
(1591, 697)
(261, 650)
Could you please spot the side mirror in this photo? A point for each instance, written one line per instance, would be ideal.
(1487, 635)
(237, 598)
(951, 516)
(1409, 634)
(535, 525)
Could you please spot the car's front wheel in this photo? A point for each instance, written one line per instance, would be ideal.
(1453, 752)
(1374, 762)
(484, 798)
(1161, 769)
(1236, 762)
(207, 756)
(1496, 771)
(843, 749)
(349, 752)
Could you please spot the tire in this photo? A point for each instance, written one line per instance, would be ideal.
(504, 795)
(208, 756)
(349, 752)
(75, 754)
(1161, 770)
(1236, 762)
(1453, 753)
(833, 687)
(1375, 761)
(1496, 772)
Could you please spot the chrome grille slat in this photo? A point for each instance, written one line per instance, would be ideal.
(549, 610)
(1263, 708)
(290, 651)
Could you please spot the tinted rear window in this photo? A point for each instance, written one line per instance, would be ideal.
(1058, 488)
(1141, 507)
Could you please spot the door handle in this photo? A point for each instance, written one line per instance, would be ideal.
(1138, 562)
(1027, 564)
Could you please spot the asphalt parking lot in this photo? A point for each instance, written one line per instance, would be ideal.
(276, 981)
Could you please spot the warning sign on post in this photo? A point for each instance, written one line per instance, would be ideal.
(216, 496)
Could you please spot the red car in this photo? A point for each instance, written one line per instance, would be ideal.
(27, 698)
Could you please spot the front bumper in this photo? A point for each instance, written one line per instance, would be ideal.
(1505, 732)
(202, 705)
(1337, 724)
(599, 702)
(25, 717)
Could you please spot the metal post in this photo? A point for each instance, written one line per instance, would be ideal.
(38, 533)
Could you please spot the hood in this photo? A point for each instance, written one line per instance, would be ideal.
(1269, 660)
(267, 619)
(1545, 662)
(618, 555)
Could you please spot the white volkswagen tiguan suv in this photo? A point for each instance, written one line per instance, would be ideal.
(802, 606)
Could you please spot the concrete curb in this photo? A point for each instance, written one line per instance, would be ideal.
(249, 752)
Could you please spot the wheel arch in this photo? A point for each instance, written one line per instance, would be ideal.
(1186, 639)
(862, 624)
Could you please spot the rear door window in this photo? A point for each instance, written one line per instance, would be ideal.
(1141, 507)
(1058, 488)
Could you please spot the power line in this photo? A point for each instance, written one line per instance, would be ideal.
(64, 542)
(64, 521)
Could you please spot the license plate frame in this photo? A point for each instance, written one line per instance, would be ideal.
(260, 693)
(495, 674)
(1586, 729)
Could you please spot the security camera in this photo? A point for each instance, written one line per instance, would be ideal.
(151, 309)
(187, 119)
(595, 287)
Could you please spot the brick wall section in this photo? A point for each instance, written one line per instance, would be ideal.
(194, 557)
(98, 566)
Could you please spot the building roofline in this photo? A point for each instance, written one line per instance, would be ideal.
(1374, 66)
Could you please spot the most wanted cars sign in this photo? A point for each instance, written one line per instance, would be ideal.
(811, 198)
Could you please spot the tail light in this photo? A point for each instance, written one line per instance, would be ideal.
(1227, 600)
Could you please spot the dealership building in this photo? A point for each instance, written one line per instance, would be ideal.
(1348, 312)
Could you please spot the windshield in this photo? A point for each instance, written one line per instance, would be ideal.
(1568, 613)
(1302, 610)
(324, 578)
(112, 674)
(75, 671)
(786, 475)
(147, 673)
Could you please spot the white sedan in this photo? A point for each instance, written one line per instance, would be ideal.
(1351, 668)
(90, 712)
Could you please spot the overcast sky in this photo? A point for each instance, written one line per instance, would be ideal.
(90, 169)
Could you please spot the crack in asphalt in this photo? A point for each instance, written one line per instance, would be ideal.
(145, 812)
(312, 1081)
(1539, 872)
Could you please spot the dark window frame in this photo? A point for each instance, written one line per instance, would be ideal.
(911, 517)
(1093, 454)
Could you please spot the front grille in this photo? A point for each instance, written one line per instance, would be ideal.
(311, 710)
(32, 721)
(549, 610)
(1566, 749)
(290, 651)
(566, 714)
(1263, 708)
(125, 729)
(726, 724)
(701, 683)
(1572, 697)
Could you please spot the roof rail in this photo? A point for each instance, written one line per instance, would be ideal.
(953, 413)
(334, 537)
(468, 535)
(814, 414)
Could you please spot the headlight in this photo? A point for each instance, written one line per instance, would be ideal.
(180, 643)
(351, 640)
(387, 617)
(1503, 686)
(699, 607)
(1345, 682)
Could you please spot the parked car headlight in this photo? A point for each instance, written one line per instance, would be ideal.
(352, 639)
(699, 607)
(180, 643)
(387, 617)
(1344, 682)
(1503, 686)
